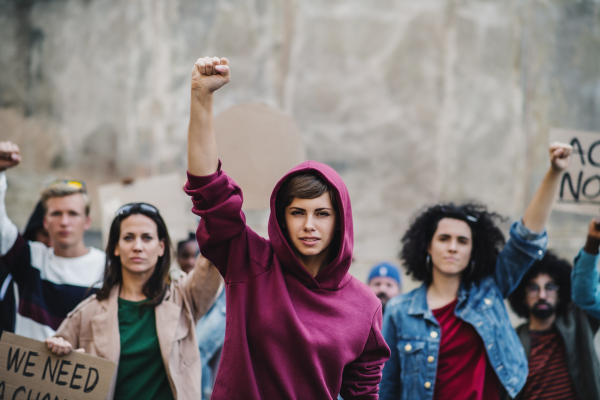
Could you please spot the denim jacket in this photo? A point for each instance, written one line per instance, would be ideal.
(211, 334)
(585, 281)
(411, 370)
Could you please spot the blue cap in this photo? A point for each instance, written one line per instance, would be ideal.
(385, 270)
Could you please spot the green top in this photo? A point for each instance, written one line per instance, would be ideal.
(141, 374)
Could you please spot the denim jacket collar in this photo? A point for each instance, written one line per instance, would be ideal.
(418, 304)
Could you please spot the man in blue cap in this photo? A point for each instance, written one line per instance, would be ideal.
(384, 281)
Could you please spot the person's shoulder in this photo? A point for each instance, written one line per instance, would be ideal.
(361, 291)
(97, 253)
(88, 305)
(402, 300)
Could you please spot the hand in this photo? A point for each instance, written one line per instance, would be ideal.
(209, 74)
(59, 346)
(10, 155)
(594, 228)
(560, 155)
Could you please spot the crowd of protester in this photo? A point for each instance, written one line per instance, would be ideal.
(244, 317)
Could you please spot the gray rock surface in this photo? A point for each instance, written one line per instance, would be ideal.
(412, 101)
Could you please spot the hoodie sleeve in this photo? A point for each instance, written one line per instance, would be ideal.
(360, 379)
(223, 236)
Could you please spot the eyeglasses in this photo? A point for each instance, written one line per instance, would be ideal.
(75, 184)
(128, 208)
(534, 290)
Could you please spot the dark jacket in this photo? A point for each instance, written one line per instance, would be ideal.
(577, 330)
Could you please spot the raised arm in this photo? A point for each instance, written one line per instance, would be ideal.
(208, 75)
(585, 277)
(223, 235)
(201, 287)
(9, 157)
(528, 238)
(537, 213)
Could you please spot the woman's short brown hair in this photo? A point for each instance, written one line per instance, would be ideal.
(307, 185)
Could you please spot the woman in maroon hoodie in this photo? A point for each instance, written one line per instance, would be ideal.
(299, 326)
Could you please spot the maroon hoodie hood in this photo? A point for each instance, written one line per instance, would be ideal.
(335, 275)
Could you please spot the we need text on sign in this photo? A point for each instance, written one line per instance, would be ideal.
(28, 370)
(579, 190)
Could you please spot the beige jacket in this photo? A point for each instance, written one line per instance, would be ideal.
(94, 326)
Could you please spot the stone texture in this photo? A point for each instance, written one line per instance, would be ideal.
(412, 101)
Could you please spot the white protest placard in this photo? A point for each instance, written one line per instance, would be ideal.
(579, 190)
(28, 370)
(165, 192)
(257, 145)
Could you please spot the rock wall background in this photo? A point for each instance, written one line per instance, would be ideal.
(412, 101)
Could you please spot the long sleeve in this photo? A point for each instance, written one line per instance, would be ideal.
(15, 251)
(520, 252)
(389, 389)
(361, 377)
(223, 236)
(8, 230)
(585, 285)
(201, 287)
(70, 329)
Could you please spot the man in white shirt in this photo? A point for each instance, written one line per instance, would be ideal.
(51, 281)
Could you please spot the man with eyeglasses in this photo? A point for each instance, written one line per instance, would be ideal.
(50, 281)
(558, 337)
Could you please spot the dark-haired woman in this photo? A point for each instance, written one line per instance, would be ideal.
(451, 337)
(299, 326)
(139, 319)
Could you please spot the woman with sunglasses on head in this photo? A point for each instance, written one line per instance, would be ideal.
(140, 318)
(299, 326)
(451, 337)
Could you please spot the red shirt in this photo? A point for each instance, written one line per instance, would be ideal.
(548, 374)
(463, 371)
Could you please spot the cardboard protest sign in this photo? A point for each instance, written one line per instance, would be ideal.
(28, 370)
(165, 192)
(257, 146)
(579, 190)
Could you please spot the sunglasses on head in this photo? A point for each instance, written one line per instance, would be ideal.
(75, 184)
(448, 210)
(129, 208)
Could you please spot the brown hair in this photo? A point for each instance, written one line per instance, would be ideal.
(308, 185)
(61, 189)
(156, 286)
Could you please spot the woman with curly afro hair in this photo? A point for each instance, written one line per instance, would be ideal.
(451, 337)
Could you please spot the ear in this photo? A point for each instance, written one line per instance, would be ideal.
(161, 250)
(117, 250)
(88, 222)
(45, 223)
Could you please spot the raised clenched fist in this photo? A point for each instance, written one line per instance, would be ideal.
(560, 155)
(209, 74)
(594, 228)
(10, 155)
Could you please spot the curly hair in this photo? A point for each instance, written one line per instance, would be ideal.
(488, 240)
(558, 269)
